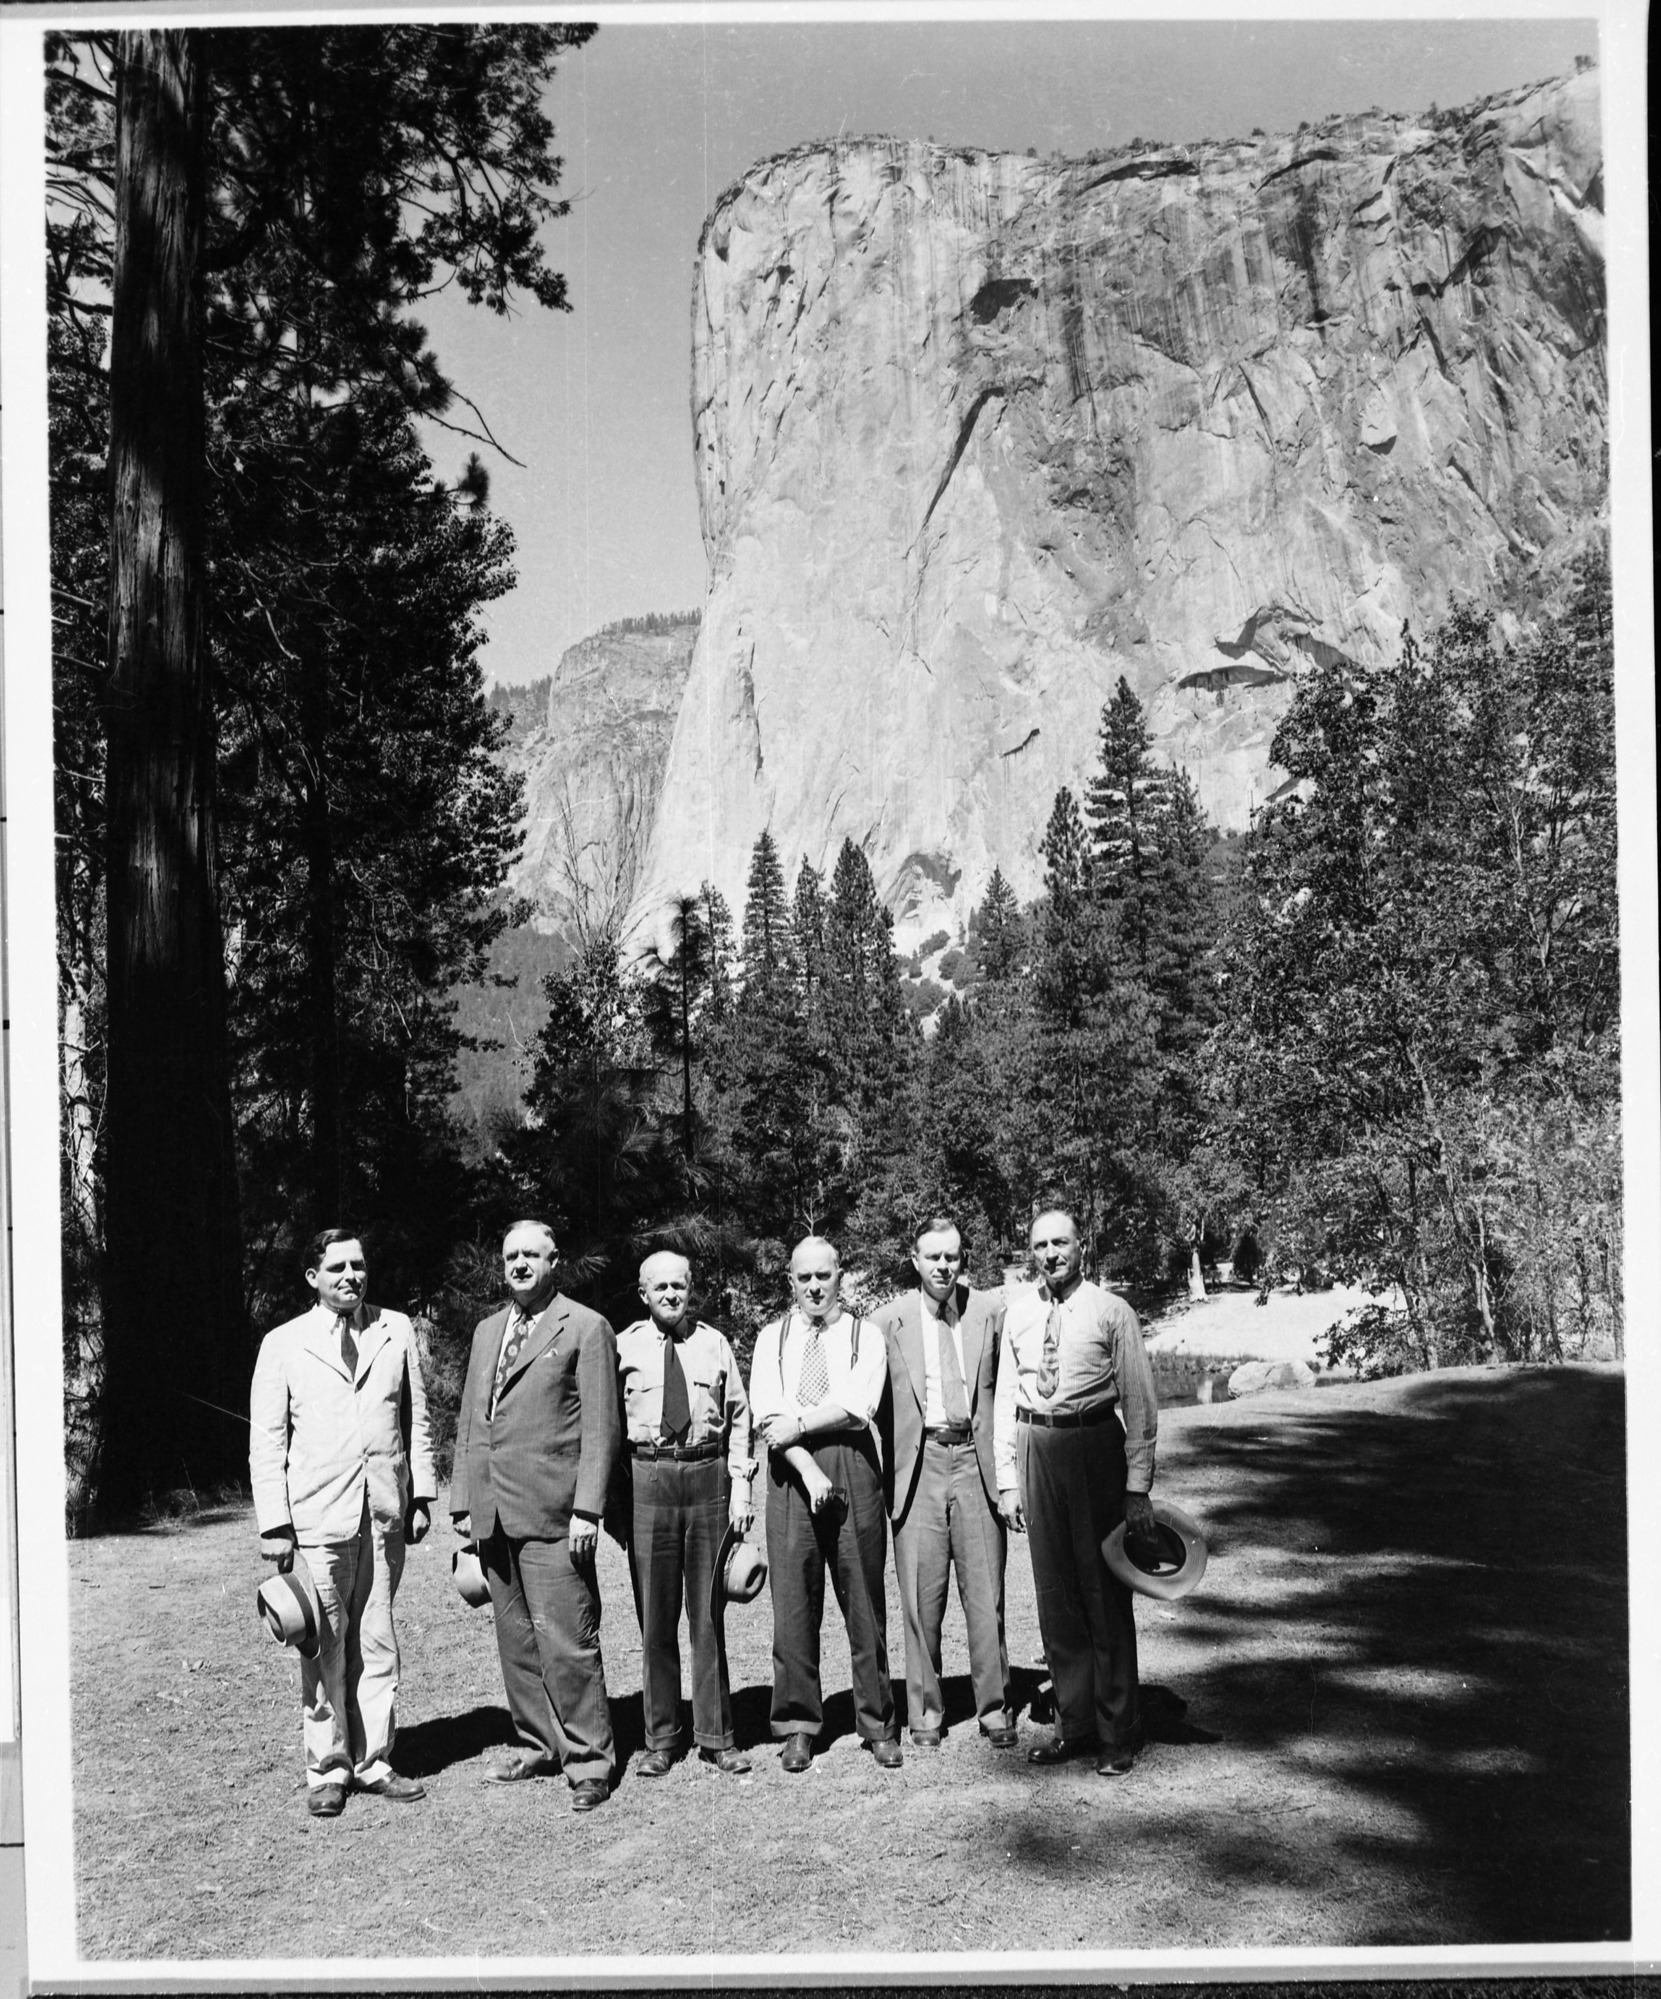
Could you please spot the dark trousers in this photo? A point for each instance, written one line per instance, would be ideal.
(1073, 1492)
(949, 1525)
(547, 1611)
(680, 1515)
(801, 1546)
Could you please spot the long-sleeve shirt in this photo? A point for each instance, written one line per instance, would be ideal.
(1102, 1361)
(856, 1361)
(715, 1389)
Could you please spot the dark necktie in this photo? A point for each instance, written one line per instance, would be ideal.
(677, 1402)
(348, 1348)
(518, 1327)
(953, 1397)
(813, 1379)
(1049, 1364)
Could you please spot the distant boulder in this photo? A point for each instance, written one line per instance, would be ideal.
(1256, 1377)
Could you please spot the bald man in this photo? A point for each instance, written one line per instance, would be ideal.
(688, 1425)
(815, 1385)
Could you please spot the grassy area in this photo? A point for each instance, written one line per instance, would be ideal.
(1411, 1639)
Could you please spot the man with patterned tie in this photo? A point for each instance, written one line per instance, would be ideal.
(539, 1439)
(937, 1415)
(688, 1426)
(1077, 1418)
(342, 1467)
(815, 1384)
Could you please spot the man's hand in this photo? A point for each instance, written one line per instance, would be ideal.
(1009, 1505)
(278, 1547)
(584, 1538)
(463, 1524)
(782, 1431)
(817, 1487)
(741, 1513)
(1141, 1535)
(416, 1521)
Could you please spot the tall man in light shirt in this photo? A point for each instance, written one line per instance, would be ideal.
(815, 1384)
(1077, 1418)
(943, 1343)
(688, 1425)
(342, 1466)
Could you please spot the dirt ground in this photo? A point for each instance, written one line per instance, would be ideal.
(1411, 1641)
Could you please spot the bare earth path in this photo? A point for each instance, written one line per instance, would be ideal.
(1412, 1640)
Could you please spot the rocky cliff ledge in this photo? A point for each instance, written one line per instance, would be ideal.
(978, 433)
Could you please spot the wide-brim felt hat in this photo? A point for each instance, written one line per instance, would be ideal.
(740, 1572)
(469, 1575)
(1182, 1555)
(291, 1609)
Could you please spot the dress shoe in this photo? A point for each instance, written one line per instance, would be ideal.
(730, 1762)
(885, 1753)
(1116, 1762)
(326, 1801)
(521, 1768)
(588, 1793)
(655, 1763)
(1057, 1751)
(798, 1753)
(395, 1789)
(1001, 1738)
(927, 1738)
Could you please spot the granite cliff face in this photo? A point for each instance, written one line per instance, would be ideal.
(593, 763)
(978, 433)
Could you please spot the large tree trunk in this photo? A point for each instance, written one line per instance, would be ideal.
(321, 948)
(174, 1329)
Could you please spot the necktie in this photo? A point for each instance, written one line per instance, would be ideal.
(1049, 1365)
(954, 1399)
(348, 1347)
(677, 1403)
(813, 1381)
(518, 1327)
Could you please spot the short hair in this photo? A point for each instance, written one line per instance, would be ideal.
(321, 1243)
(823, 1242)
(647, 1261)
(532, 1222)
(939, 1225)
(1054, 1208)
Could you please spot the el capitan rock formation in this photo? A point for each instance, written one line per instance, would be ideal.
(978, 433)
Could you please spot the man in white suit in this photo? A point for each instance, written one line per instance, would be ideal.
(342, 1467)
(943, 1345)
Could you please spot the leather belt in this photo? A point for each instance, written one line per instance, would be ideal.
(948, 1433)
(1067, 1419)
(680, 1453)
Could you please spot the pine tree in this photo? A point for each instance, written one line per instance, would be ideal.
(998, 922)
(1125, 810)
(768, 954)
(807, 935)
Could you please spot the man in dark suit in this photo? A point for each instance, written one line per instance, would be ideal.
(943, 1342)
(538, 1439)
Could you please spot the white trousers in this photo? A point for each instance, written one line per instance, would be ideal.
(348, 1691)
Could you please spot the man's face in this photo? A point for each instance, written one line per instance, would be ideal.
(938, 1262)
(528, 1263)
(815, 1275)
(665, 1284)
(340, 1280)
(1056, 1251)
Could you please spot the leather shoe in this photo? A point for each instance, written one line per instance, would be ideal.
(1001, 1738)
(730, 1762)
(798, 1753)
(1057, 1751)
(326, 1801)
(885, 1753)
(655, 1763)
(1115, 1762)
(397, 1790)
(588, 1793)
(521, 1768)
(927, 1738)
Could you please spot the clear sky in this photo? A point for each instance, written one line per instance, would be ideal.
(654, 121)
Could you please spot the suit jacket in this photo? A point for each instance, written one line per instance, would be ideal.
(320, 1438)
(554, 1445)
(981, 1315)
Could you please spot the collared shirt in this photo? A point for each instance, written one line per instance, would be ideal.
(714, 1388)
(939, 1321)
(856, 1360)
(1102, 1360)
